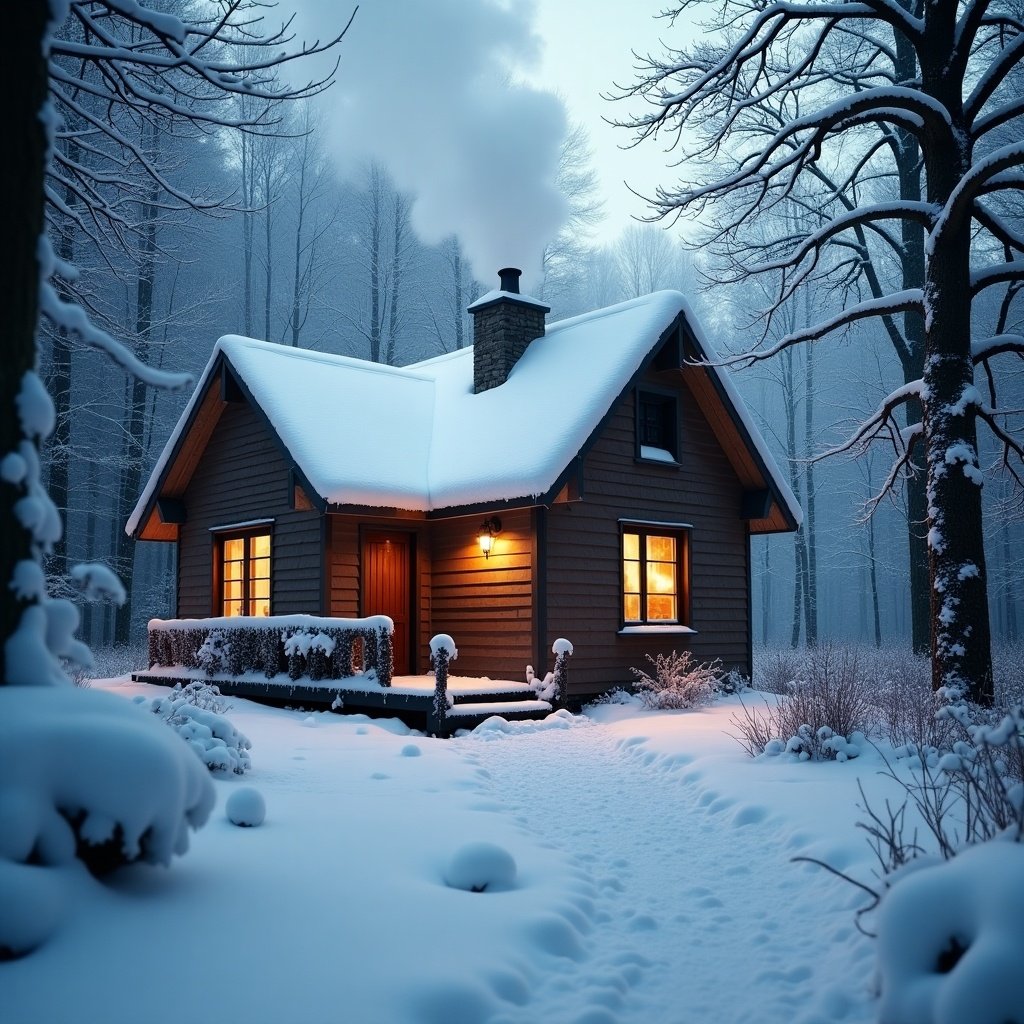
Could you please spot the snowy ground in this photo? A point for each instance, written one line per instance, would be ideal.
(655, 885)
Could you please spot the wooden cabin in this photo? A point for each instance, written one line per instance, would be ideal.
(596, 479)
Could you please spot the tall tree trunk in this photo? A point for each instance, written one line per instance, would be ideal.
(268, 266)
(1010, 587)
(297, 284)
(907, 154)
(961, 641)
(23, 85)
(460, 303)
(766, 592)
(133, 450)
(811, 580)
(88, 610)
(799, 552)
(397, 266)
(248, 200)
(873, 567)
(375, 228)
(60, 390)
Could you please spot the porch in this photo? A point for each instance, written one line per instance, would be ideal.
(340, 664)
(473, 700)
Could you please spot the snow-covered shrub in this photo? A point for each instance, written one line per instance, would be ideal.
(820, 744)
(775, 669)
(220, 746)
(246, 807)
(212, 656)
(480, 867)
(1008, 674)
(616, 695)
(678, 681)
(546, 688)
(203, 695)
(951, 940)
(824, 714)
(88, 774)
(733, 681)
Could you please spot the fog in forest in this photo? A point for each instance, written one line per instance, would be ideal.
(367, 219)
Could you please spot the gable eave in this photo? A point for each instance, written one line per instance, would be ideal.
(187, 443)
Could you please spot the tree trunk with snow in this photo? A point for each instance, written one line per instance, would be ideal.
(23, 85)
(960, 641)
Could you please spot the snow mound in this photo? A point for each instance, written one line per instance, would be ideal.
(496, 726)
(411, 750)
(246, 807)
(33, 902)
(481, 867)
(951, 940)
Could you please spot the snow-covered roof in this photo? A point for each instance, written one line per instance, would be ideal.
(418, 438)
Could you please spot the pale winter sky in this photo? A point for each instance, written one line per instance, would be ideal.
(466, 103)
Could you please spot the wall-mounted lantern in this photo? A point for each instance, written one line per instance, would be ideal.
(489, 529)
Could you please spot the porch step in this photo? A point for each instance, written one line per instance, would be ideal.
(519, 695)
(470, 715)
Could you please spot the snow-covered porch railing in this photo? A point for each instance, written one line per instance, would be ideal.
(300, 645)
(549, 692)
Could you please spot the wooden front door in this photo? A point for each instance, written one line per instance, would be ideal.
(387, 587)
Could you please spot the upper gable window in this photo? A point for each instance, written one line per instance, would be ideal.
(657, 430)
(243, 561)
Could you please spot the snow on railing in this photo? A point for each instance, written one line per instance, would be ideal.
(301, 645)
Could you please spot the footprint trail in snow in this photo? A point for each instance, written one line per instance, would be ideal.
(685, 906)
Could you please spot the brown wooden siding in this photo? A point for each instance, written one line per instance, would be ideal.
(583, 573)
(485, 604)
(243, 475)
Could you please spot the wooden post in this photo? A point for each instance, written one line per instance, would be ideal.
(562, 650)
(442, 651)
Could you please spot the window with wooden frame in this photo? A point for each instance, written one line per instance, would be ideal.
(655, 576)
(657, 426)
(242, 565)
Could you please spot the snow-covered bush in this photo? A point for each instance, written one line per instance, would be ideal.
(212, 656)
(480, 867)
(194, 713)
(546, 688)
(86, 773)
(951, 940)
(616, 695)
(824, 714)
(733, 681)
(678, 681)
(950, 895)
(775, 669)
(1008, 674)
(203, 695)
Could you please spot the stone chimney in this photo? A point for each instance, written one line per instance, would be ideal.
(504, 323)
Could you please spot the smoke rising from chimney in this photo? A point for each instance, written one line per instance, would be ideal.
(428, 89)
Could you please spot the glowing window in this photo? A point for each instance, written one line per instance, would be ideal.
(244, 574)
(655, 577)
